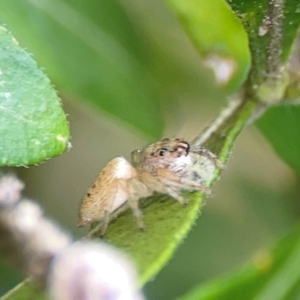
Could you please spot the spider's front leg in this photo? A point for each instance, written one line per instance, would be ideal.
(155, 183)
(178, 182)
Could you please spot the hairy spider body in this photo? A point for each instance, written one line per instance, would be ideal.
(167, 166)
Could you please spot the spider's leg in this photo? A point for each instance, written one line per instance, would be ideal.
(195, 185)
(98, 228)
(163, 185)
(137, 189)
(94, 225)
(181, 182)
(172, 187)
(174, 194)
(104, 224)
(133, 203)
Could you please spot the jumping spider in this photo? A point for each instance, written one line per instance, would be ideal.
(167, 166)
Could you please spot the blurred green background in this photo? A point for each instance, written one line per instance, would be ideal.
(132, 59)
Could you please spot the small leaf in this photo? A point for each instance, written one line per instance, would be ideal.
(33, 126)
(218, 36)
(280, 125)
(271, 274)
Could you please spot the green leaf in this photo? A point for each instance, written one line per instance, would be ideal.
(33, 126)
(280, 125)
(91, 52)
(218, 35)
(167, 222)
(24, 291)
(272, 27)
(271, 274)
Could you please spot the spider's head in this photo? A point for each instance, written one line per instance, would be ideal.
(162, 153)
(169, 148)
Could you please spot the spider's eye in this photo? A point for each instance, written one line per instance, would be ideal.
(162, 151)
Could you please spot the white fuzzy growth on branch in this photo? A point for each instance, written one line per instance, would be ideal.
(42, 251)
(10, 190)
(91, 271)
